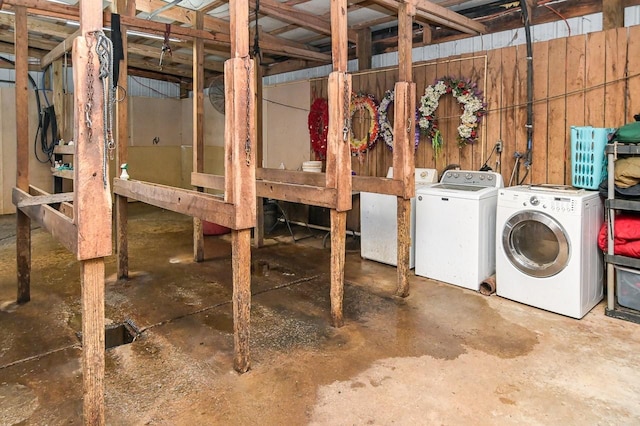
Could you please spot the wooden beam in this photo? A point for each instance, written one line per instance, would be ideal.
(240, 136)
(292, 176)
(439, 15)
(208, 181)
(241, 261)
(258, 230)
(59, 50)
(338, 240)
(363, 49)
(377, 185)
(339, 41)
(310, 195)
(93, 340)
(612, 14)
(289, 14)
(122, 146)
(92, 201)
(51, 220)
(403, 171)
(23, 223)
(185, 201)
(198, 131)
(65, 208)
(44, 199)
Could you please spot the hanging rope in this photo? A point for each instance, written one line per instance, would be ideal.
(104, 50)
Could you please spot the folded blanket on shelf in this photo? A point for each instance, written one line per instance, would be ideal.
(627, 172)
(626, 239)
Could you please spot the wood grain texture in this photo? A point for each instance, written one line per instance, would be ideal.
(310, 195)
(339, 35)
(241, 264)
(23, 256)
(56, 223)
(198, 130)
(575, 87)
(404, 246)
(540, 113)
(191, 203)
(93, 340)
(22, 98)
(338, 238)
(558, 136)
(240, 140)
(121, 215)
(633, 83)
(92, 201)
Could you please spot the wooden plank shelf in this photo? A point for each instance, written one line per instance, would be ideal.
(64, 149)
(65, 174)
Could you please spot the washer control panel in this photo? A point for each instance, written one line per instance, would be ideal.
(472, 178)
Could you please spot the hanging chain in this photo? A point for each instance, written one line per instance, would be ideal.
(88, 107)
(346, 128)
(104, 49)
(247, 143)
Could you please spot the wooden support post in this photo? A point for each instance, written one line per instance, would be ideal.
(122, 148)
(23, 223)
(612, 14)
(198, 130)
(241, 259)
(240, 170)
(338, 240)
(363, 49)
(258, 231)
(338, 170)
(92, 205)
(58, 96)
(403, 153)
(92, 196)
(93, 342)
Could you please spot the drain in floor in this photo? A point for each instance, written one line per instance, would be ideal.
(118, 334)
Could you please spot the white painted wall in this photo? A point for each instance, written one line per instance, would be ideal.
(285, 132)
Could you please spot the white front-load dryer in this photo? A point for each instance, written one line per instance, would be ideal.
(547, 254)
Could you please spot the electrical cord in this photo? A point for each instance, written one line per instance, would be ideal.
(46, 118)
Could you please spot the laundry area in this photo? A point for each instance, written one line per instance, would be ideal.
(324, 213)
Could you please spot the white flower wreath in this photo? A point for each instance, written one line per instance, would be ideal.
(385, 127)
(473, 109)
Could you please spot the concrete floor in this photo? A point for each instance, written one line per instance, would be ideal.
(443, 356)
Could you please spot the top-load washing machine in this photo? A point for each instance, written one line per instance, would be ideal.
(379, 221)
(547, 253)
(455, 228)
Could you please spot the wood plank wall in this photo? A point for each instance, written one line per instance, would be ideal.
(591, 79)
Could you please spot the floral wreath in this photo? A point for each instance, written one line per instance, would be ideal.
(386, 129)
(319, 127)
(362, 102)
(470, 98)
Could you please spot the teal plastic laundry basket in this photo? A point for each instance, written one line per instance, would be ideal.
(588, 160)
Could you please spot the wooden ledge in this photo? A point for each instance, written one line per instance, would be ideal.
(377, 185)
(304, 194)
(60, 226)
(291, 176)
(64, 149)
(30, 200)
(205, 206)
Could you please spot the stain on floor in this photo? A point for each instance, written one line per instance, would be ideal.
(444, 355)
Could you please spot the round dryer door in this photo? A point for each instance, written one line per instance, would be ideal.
(536, 244)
